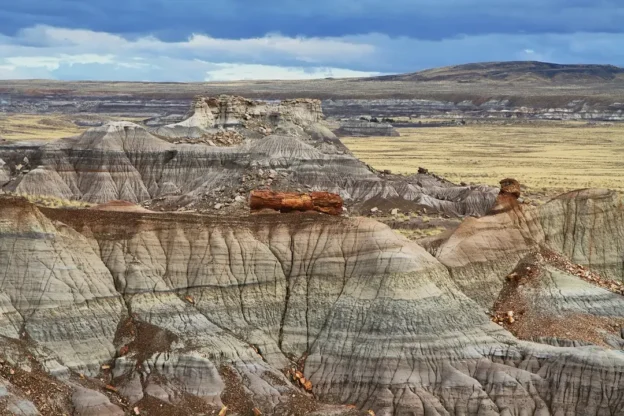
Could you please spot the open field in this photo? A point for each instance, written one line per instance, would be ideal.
(554, 156)
(527, 92)
(43, 127)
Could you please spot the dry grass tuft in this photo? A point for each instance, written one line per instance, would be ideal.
(46, 126)
(52, 201)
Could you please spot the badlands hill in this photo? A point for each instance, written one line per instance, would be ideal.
(120, 309)
(104, 312)
(226, 147)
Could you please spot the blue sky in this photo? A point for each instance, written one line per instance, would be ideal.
(197, 40)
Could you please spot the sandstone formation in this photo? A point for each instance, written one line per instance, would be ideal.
(201, 312)
(511, 187)
(324, 202)
(208, 115)
(284, 147)
(585, 226)
(120, 206)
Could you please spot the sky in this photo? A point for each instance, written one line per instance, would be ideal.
(225, 40)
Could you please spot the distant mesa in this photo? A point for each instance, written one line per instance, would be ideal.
(512, 71)
(366, 126)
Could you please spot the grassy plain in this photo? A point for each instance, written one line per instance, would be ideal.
(545, 156)
(45, 126)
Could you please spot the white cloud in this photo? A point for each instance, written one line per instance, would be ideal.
(233, 72)
(310, 50)
(54, 62)
(306, 50)
(52, 52)
(62, 52)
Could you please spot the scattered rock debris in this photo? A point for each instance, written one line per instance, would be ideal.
(516, 311)
(234, 396)
(298, 378)
(50, 396)
(111, 388)
(564, 264)
(187, 406)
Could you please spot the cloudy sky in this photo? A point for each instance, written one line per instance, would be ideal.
(197, 40)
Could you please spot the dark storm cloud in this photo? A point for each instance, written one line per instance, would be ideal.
(192, 40)
(423, 19)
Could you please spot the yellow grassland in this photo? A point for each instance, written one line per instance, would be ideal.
(555, 156)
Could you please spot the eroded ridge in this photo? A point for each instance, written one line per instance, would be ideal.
(196, 312)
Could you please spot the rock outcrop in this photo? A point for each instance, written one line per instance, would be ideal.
(587, 226)
(197, 312)
(511, 187)
(208, 115)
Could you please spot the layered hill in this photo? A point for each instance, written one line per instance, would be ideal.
(179, 166)
(189, 313)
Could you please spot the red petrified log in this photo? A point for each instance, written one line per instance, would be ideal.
(325, 202)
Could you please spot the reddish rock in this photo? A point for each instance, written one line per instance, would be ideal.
(511, 187)
(507, 198)
(325, 202)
